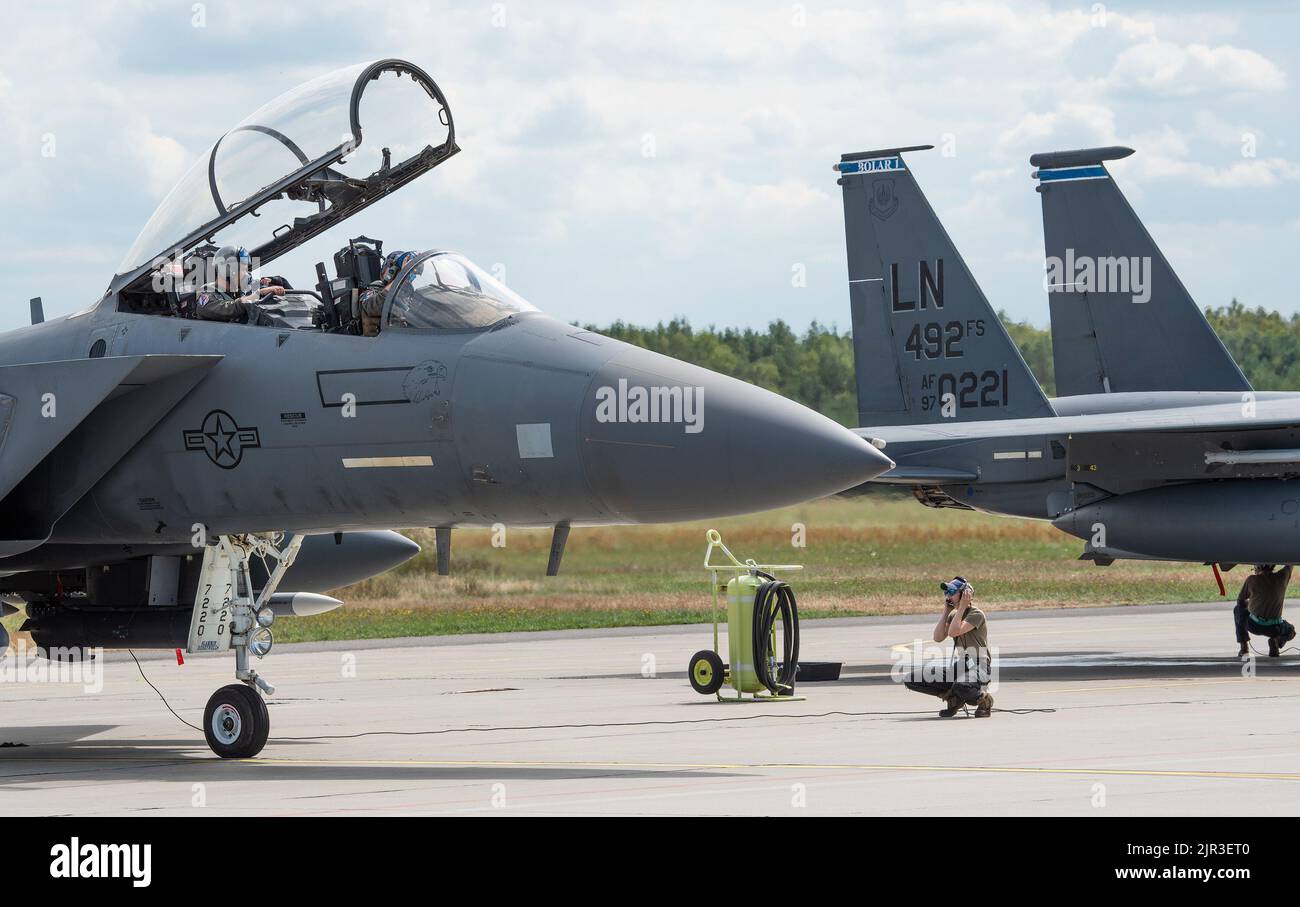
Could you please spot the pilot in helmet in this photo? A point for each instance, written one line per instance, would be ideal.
(376, 294)
(229, 296)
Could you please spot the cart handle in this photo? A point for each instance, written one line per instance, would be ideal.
(715, 541)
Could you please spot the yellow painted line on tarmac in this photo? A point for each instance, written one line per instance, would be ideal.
(792, 766)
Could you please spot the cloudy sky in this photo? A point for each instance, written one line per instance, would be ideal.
(646, 160)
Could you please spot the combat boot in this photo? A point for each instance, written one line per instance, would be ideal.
(984, 706)
(951, 705)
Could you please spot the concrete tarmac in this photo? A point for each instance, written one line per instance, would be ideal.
(1153, 715)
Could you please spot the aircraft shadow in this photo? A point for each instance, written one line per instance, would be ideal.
(59, 754)
(1054, 666)
(154, 764)
(1031, 667)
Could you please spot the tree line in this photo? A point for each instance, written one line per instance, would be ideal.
(816, 367)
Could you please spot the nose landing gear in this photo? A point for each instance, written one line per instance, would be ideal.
(236, 722)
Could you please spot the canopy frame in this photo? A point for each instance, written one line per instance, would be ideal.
(337, 195)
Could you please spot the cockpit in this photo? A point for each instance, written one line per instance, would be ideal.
(293, 169)
(444, 291)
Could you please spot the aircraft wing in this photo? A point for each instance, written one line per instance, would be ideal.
(1244, 416)
(64, 424)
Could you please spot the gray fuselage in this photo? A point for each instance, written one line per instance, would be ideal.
(308, 431)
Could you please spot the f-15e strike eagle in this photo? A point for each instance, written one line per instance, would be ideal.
(1158, 447)
(163, 476)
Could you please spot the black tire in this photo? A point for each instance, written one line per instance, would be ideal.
(236, 722)
(706, 672)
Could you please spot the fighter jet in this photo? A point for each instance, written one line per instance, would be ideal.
(1157, 349)
(1193, 469)
(161, 471)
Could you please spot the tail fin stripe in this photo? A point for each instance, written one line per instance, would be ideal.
(1072, 173)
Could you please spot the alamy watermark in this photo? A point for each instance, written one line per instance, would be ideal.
(180, 275)
(57, 664)
(1108, 274)
(926, 662)
(657, 403)
(76, 860)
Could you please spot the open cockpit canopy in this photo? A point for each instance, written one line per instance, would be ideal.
(297, 167)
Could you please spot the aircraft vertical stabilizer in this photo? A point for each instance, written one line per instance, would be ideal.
(927, 346)
(1121, 319)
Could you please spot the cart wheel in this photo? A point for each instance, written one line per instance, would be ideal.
(706, 672)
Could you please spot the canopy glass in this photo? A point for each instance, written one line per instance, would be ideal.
(299, 164)
(444, 291)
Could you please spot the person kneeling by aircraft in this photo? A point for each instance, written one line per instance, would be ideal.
(967, 626)
(1259, 609)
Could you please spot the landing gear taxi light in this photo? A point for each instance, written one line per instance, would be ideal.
(755, 602)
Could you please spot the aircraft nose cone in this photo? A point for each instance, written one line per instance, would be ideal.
(664, 440)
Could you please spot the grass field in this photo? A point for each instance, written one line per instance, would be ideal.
(882, 554)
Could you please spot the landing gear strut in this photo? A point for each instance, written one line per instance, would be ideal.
(236, 723)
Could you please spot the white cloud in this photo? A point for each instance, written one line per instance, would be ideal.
(1085, 123)
(1163, 68)
(1243, 174)
(748, 106)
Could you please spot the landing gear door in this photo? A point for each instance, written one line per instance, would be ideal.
(214, 601)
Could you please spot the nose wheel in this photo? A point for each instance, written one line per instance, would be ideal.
(236, 722)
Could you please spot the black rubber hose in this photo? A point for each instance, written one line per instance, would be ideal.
(775, 598)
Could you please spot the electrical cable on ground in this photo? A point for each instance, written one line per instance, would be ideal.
(567, 727)
(159, 692)
(1280, 651)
